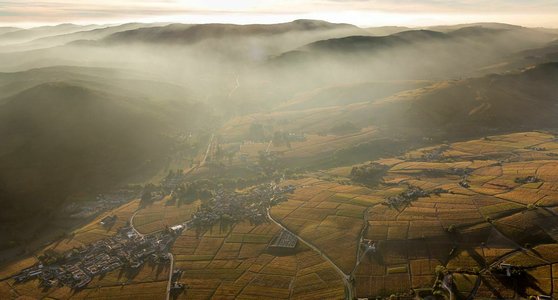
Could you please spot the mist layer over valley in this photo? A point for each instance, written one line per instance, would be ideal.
(84, 107)
(88, 109)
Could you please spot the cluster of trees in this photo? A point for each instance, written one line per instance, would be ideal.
(189, 192)
(148, 194)
(50, 257)
(371, 173)
(528, 179)
(411, 194)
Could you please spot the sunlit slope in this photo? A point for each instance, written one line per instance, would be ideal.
(495, 103)
(349, 93)
(524, 100)
(478, 211)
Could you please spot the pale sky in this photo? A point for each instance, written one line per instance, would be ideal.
(28, 13)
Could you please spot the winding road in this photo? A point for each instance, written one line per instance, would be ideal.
(132, 223)
(170, 275)
(345, 277)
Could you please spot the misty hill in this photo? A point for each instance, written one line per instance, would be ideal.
(486, 25)
(409, 55)
(456, 109)
(386, 30)
(4, 30)
(527, 58)
(86, 33)
(522, 37)
(121, 82)
(523, 100)
(24, 35)
(60, 138)
(183, 33)
(350, 93)
(371, 43)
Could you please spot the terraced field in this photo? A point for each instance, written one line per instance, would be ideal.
(328, 215)
(482, 203)
(489, 199)
(228, 263)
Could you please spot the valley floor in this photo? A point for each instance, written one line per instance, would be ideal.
(440, 219)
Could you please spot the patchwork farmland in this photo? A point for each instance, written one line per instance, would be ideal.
(451, 213)
(488, 199)
(235, 263)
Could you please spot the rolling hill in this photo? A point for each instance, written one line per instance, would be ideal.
(473, 38)
(24, 35)
(494, 103)
(84, 34)
(187, 34)
(80, 136)
(456, 109)
(348, 94)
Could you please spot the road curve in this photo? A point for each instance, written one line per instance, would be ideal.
(132, 223)
(345, 277)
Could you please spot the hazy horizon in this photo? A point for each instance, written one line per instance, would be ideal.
(164, 23)
(279, 149)
(539, 13)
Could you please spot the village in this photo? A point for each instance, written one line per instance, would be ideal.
(77, 267)
(226, 206)
(129, 249)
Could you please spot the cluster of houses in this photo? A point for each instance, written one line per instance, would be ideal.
(535, 148)
(528, 179)
(411, 194)
(435, 154)
(234, 206)
(77, 267)
(368, 246)
(176, 287)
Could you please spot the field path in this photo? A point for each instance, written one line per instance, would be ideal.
(170, 275)
(132, 223)
(207, 152)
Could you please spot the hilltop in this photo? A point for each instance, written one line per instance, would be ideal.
(185, 33)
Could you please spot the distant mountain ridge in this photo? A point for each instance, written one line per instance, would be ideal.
(183, 33)
(24, 35)
(411, 36)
